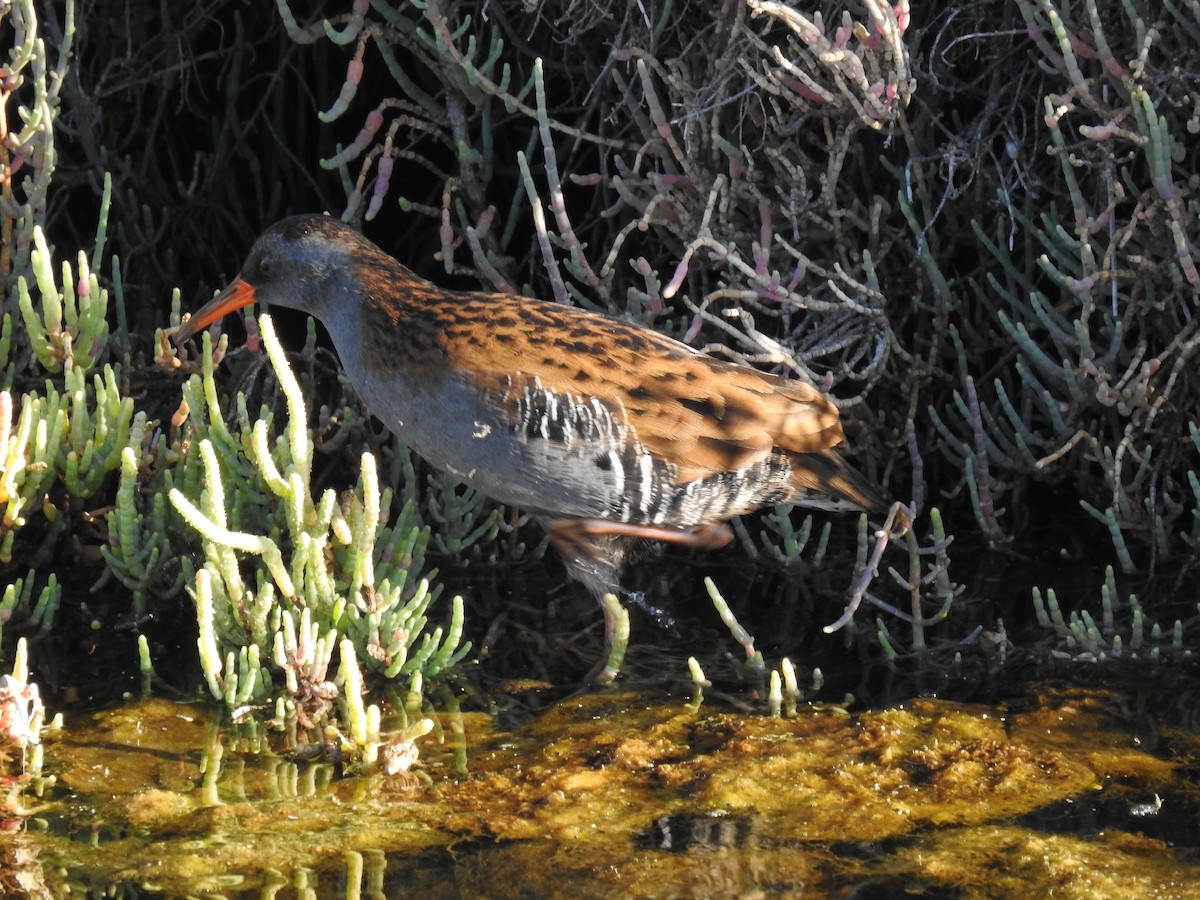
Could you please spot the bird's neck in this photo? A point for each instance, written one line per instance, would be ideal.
(387, 329)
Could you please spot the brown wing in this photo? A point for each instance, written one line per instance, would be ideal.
(704, 414)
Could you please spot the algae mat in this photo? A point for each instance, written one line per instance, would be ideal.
(619, 795)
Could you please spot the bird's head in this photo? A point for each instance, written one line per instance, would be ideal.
(299, 262)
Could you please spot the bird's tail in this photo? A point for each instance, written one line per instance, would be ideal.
(824, 480)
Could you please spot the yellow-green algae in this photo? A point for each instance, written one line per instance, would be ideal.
(152, 796)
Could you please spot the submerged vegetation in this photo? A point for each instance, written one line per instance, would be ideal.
(633, 797)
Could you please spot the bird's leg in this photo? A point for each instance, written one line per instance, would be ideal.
(710, 536)
(595, 550)
(595, 559)
(596, 562)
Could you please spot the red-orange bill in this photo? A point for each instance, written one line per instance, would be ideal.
(237, 295)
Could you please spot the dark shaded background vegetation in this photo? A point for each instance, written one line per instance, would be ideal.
(206, 116)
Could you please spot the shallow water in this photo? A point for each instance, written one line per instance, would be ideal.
(1063, 792)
